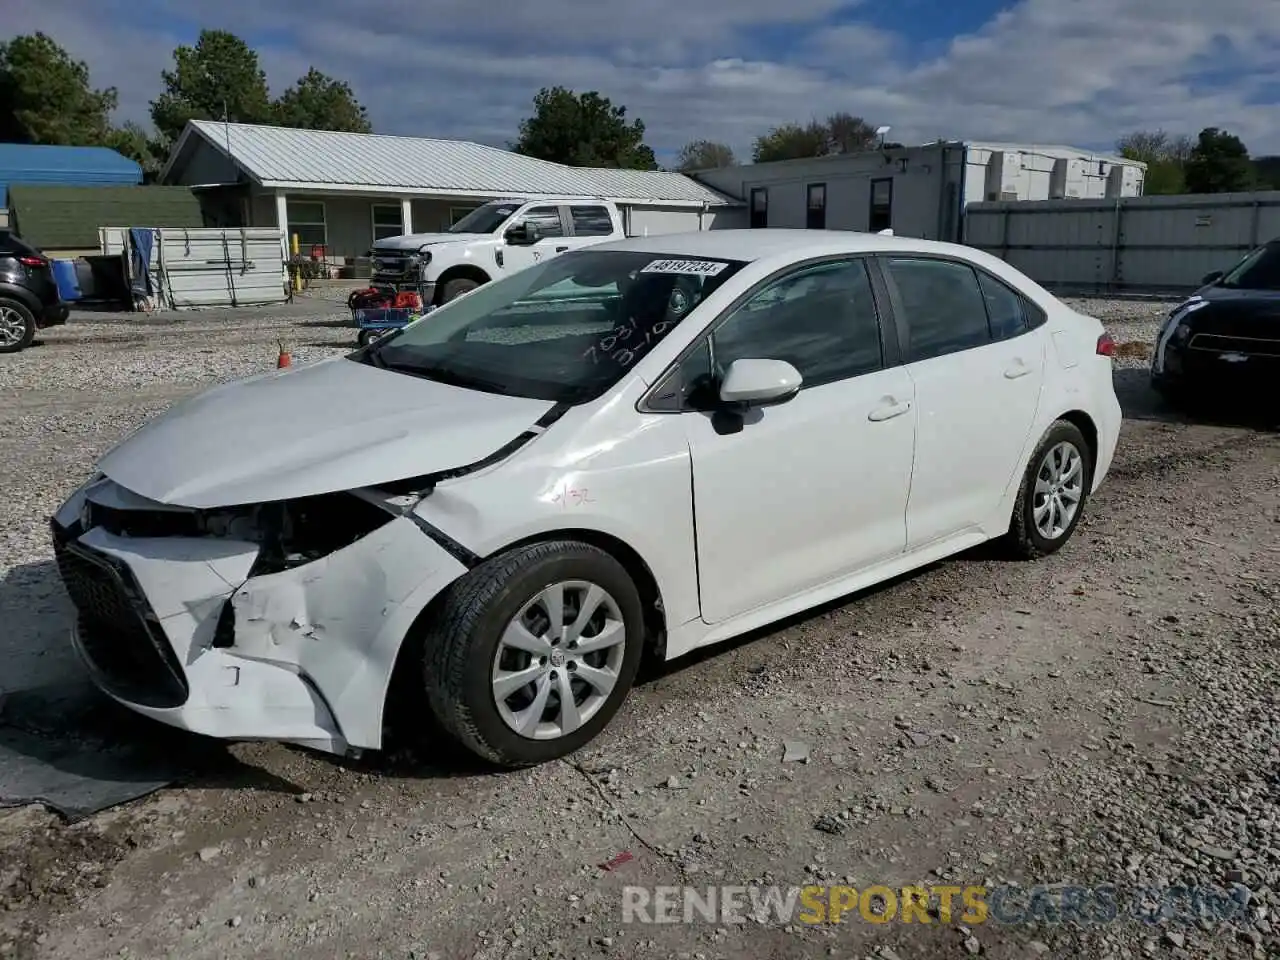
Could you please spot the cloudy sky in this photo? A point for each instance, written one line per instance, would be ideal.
(1080, 72)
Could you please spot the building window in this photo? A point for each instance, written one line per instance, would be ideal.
(457, 213)
(816, 215)
(591, 221)
(388, 221)
(306, 222)
(881, 217)
(759, 207)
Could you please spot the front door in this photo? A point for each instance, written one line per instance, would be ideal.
(795, 495)
(978, 368)
(552, 240)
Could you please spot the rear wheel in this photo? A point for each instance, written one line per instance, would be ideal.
(534, 651)
(17, 326)
(1053, 493)
(456, 288)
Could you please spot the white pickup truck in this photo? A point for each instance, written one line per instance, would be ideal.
(493, 240)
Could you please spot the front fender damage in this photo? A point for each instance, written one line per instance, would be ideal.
(340, 620)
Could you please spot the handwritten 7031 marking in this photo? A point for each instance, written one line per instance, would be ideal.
(568, 496)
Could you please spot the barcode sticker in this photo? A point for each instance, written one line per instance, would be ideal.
(693, 268)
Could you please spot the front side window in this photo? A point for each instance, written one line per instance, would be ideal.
(591, 221)
(1260, 270)
(565, 330)
(486, 218)
(822, 320)
(546, 219)
(944, 307)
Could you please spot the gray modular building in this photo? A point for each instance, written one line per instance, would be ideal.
(343, 191)
(919, 191)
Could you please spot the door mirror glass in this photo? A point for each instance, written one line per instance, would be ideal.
(524, 234)
(756, 382)
(1212, 277)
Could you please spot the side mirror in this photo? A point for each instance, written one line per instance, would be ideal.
(759, 382)
(1211, 278)
(524, 234)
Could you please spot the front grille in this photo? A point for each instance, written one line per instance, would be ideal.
(1252, 346)
(119, 634)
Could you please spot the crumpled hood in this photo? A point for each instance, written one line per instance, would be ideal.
(329, 426)
(413, 241)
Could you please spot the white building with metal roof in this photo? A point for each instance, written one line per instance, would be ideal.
(345, 190)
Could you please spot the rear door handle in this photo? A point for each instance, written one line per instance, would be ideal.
(1019, 369)
(889, 412)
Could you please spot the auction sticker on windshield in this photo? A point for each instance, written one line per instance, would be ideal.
(693, 268)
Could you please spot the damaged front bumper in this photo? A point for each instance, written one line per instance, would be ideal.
(209, 628)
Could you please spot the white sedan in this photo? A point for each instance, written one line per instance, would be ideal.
(634, 450)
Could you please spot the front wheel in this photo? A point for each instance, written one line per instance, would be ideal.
(456, 288)
(1053, 493)
(533, 652)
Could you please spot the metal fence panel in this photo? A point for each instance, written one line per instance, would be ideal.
(1136, 244)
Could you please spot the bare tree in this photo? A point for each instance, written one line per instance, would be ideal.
(850, 134)
(704, 155)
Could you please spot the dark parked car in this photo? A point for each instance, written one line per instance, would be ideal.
(29, 299)
(1226, 335)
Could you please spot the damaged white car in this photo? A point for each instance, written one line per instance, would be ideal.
(648, 446)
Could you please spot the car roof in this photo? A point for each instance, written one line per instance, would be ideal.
(750, 245)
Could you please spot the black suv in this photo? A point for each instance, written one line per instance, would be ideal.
(29, 298)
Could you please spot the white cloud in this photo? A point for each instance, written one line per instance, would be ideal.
(1073, 71)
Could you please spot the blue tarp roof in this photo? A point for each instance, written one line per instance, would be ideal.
(68, 166)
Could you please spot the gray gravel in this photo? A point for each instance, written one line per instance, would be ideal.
(1107, 716)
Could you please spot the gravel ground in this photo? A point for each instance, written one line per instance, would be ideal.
(1107, 716)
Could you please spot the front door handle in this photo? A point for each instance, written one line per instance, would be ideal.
(889, 412)
(1019, 369)
(561, 249)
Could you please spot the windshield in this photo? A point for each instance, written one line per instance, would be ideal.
(488, 218)
(564, 330)
(1260, 270)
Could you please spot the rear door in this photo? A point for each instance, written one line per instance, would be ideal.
(590, 223)
(978, 367)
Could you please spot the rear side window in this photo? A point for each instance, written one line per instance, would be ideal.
(1006, 309)
(591, 221)
(14, 245)
(944, 306)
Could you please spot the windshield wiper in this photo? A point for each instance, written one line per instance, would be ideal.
(445, 375)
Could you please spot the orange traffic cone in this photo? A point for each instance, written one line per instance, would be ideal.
(285, 359)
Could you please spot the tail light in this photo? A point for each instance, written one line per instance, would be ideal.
(1106, 346)
(33, 261)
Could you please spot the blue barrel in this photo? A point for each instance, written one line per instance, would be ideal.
(64, 274)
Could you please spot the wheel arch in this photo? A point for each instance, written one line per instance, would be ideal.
(460, 271)
(1084, 423)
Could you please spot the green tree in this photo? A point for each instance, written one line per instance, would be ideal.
(839, 133)
(583, 130)
(704, 155)
(1164, 154)
(220, 72)
(1267, 171)
(1219, 163)
(132, 141)
(792, 141)
(319, 102)
(45, 95)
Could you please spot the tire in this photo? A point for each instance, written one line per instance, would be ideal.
(463, 648)
(1026, 538)
(456, 288)
(366, 337)
(17, 326)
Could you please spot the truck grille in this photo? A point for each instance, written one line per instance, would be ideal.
(1253, 346)
(119, 633)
